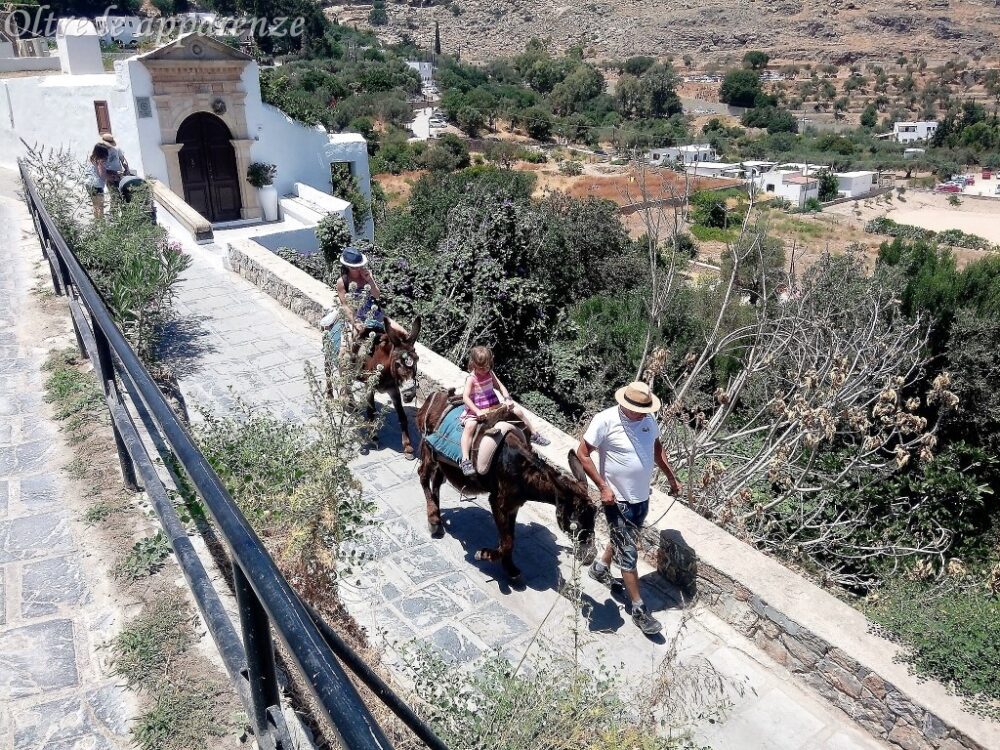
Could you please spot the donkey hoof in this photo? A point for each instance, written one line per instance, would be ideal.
(408, 455)
(436, 529)
(516, 581)
(482, 554)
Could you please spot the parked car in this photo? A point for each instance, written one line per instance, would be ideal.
(948, 187)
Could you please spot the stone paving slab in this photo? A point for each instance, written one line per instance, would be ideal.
(38, 658)
(435, 592)
(53, 695)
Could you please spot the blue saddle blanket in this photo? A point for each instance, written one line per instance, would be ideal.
(447, 438)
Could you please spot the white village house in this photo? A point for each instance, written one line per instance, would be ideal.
(21, 52)
(125, 30)
(908, 132)
(189, 115)
(698, 152)
(792, 185)
(425, 69)
(856, 184)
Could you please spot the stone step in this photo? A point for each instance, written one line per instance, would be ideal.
(301, 210)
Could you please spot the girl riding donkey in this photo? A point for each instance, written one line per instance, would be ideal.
(481, 395)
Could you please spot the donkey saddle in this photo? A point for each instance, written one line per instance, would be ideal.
(446, 437)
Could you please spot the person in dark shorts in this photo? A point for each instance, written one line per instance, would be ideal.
(627, 441)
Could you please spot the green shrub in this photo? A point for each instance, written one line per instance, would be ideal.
(714, 234)
(260, 174)
(293, 482)
(313, 264)
(570, 168)
(345, 186)
(377, 16)
(333, 235)
(950, 634)
(953, 237)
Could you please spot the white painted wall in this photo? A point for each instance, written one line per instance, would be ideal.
(697, 152)
(302, 153)
(58, 111)
(145, 157)
(851, 184)
(32, 64)
(773, 183)
(425, 69)
(907, 132)
(79, 47)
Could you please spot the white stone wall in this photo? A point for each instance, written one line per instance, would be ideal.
(79, 47)
(58, 111)
(32, 64)
(302, 153)
(145, 157)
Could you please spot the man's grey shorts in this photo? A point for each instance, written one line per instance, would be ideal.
(625, 522)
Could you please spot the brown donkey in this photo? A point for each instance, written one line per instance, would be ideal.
(517, 475)
(392, 360)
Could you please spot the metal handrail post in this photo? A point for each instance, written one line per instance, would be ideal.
(261, 672)
(106, 370)
(352, 722)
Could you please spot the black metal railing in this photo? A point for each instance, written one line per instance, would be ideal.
(265, 600)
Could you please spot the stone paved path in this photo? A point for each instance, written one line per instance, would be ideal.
(53, 691)
(243, 343)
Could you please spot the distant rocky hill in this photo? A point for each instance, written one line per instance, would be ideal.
(836, 31)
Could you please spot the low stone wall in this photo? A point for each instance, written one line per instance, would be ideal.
(862, 689)
(184, 215)
(292, 287)
(817, 637)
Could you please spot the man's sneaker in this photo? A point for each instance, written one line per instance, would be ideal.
(468, 469)
(539, 439)
(601, 576)
(645, 621)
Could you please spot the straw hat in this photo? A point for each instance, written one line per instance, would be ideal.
(108, 138)
(637, 397)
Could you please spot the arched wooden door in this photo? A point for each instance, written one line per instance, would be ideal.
(208, 167)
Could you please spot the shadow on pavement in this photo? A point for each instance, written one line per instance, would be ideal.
(536, 552)
(183, 342)
(390, 435)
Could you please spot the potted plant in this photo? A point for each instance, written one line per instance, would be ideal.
(261, 176)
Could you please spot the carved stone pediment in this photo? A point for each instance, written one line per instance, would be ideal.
(195, 48)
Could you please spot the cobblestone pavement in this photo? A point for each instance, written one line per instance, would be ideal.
(242, 343)
(54, 689)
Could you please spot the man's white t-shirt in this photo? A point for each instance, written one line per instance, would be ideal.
(625, 449)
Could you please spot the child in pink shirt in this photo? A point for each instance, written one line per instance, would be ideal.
(483, 391)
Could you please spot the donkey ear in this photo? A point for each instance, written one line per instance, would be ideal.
(576, 467)
(414, 330)
(390, 333)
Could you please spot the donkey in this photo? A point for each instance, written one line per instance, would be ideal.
(516, 476)
(392, 360)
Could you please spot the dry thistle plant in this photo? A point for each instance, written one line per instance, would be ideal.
(804, 388)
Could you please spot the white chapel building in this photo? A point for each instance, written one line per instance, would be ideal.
(188, 114)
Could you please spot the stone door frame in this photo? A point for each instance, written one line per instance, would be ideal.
(198, 74)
